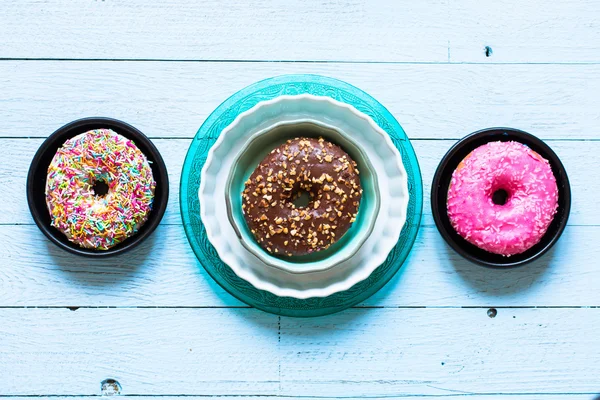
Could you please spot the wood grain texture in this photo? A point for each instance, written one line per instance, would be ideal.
(454, 352)
(513, 396)
(375, 31)
(236, 30)
(172, 99)
(525, 31)
(178, 351)
(164, 272)
(576, 156)
(156, 322)
(391, 352)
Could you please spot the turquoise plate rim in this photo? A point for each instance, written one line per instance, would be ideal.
(208, 133)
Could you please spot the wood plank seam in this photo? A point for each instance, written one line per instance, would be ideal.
(241, 61)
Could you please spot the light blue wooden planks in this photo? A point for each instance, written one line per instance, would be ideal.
(164, 272)
(175, 332)
(172, 99)
(359, 352)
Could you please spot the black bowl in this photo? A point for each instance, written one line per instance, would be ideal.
(38, 171)
(439, 193)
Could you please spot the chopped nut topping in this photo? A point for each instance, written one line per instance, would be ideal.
(299, 165)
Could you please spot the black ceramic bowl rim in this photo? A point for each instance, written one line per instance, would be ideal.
(39, 166)
(441, 181)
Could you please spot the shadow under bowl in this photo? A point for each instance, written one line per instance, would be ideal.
(256, 149)
(38, 171)
(441, 182)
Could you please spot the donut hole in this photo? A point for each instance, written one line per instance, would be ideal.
(500, 197)
(302, 199)
(100, 188)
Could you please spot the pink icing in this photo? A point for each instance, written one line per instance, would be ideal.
(520, 223)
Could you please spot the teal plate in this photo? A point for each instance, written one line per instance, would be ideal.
(190, 182)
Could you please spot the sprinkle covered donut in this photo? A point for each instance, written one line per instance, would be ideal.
(528, 201)
(93, 220)
(317, 167)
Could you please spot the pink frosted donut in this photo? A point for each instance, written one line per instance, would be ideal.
(530, 190)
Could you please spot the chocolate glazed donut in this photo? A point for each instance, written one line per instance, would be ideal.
(326, 173)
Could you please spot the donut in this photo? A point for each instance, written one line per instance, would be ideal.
(310, 165)
(502, 198)
(90, 219)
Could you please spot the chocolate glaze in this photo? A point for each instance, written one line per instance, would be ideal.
(317, 167)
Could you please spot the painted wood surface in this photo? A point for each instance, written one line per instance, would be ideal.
(525, 31)
(389, 352)
(164, 272)
(374, 31)
(172, 99)
(154, 321)
(216, 30)
(512, 396)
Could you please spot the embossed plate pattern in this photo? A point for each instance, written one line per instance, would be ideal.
(196, 157)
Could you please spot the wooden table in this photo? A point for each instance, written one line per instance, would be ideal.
(153, 320)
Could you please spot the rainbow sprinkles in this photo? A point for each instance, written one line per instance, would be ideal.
(92, 220)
